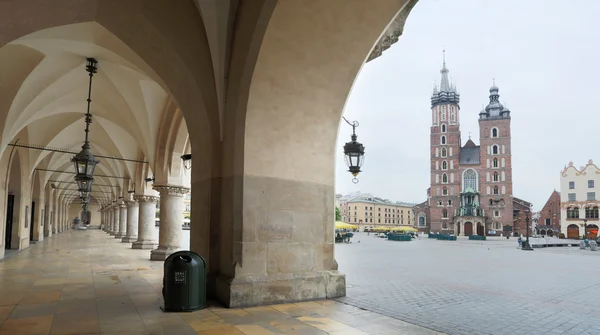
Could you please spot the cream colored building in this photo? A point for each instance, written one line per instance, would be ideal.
(367, 211)
(579, 192)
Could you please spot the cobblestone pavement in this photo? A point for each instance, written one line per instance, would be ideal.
(474, 287)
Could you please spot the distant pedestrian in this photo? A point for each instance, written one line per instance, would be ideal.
(76, 222)
(520, 241)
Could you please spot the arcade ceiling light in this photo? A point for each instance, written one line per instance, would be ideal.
(85, 162)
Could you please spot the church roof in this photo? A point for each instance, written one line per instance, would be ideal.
(470, 144)
(469, 154)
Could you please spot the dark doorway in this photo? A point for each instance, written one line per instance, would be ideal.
(9, 221)
(480, 230)
(32, 222)
(468, 228)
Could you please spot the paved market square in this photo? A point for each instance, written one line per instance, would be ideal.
(474, 287)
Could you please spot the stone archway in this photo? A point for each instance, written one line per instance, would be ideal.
(591, 231)
(573, 231)
(280, 200)
(16, 235)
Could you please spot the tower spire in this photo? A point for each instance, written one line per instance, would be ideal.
(445, 83)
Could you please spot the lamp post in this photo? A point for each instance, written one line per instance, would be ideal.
(584, 228)
(354, 152)
(85, 162)
(526, 245)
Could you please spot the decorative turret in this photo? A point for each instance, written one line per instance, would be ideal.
(447, 92)
(494, 109)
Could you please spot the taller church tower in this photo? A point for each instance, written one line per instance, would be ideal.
(444, 150)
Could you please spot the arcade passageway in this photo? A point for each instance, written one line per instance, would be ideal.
(250, 92)
(85, 282)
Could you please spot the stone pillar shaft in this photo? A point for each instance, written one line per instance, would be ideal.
(171, 207)
(115, 212)
(122, 209)
(147, 216)
(132, 222)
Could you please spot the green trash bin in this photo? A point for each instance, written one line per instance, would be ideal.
(184, 282)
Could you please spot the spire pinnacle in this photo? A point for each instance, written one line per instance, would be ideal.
(445, 83)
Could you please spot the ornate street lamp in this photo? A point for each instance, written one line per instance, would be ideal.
(354, 152)
(85, 162)
(187, 161)
(525, 245)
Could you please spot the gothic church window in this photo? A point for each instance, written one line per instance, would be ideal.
(449, 202)
(496, 178)
(444, 178)
(470, 179)
(443, 152)
(453, 114)
(444, 165)
(445, 191)
(443, 113)
(494, 132)
(494, 150)
(443, 140)
(443, 128)
(445, 213)
(495, 163)
(496, 190)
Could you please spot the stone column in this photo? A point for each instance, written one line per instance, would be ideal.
(171, 208)
(122, 208)
(108, 220)
(47, 228)
(115, 216)
(147, 216)
(132, 222)
(61, 217)
(111, 217)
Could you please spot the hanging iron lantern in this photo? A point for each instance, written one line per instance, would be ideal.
(187, 161)
(85, 162)
(354, 153)
(84, 194)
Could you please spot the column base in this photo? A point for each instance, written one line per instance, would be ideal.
(246, 291)
(161, 254)
(144, 245)
(119, 235)
(129, 239)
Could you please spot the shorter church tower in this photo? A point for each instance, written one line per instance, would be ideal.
(496, 182)
(444, 150)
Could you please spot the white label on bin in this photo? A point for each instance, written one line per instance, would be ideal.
(180, 277)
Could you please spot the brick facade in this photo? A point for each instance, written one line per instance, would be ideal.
(496, 177)
(550, 213)
(522, 211)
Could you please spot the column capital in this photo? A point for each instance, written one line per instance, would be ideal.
(145, 198)
(171, 190)
(131, 203)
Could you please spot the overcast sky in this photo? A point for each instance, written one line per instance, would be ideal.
(545, 58)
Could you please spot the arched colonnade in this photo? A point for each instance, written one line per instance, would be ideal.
(260, 87)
